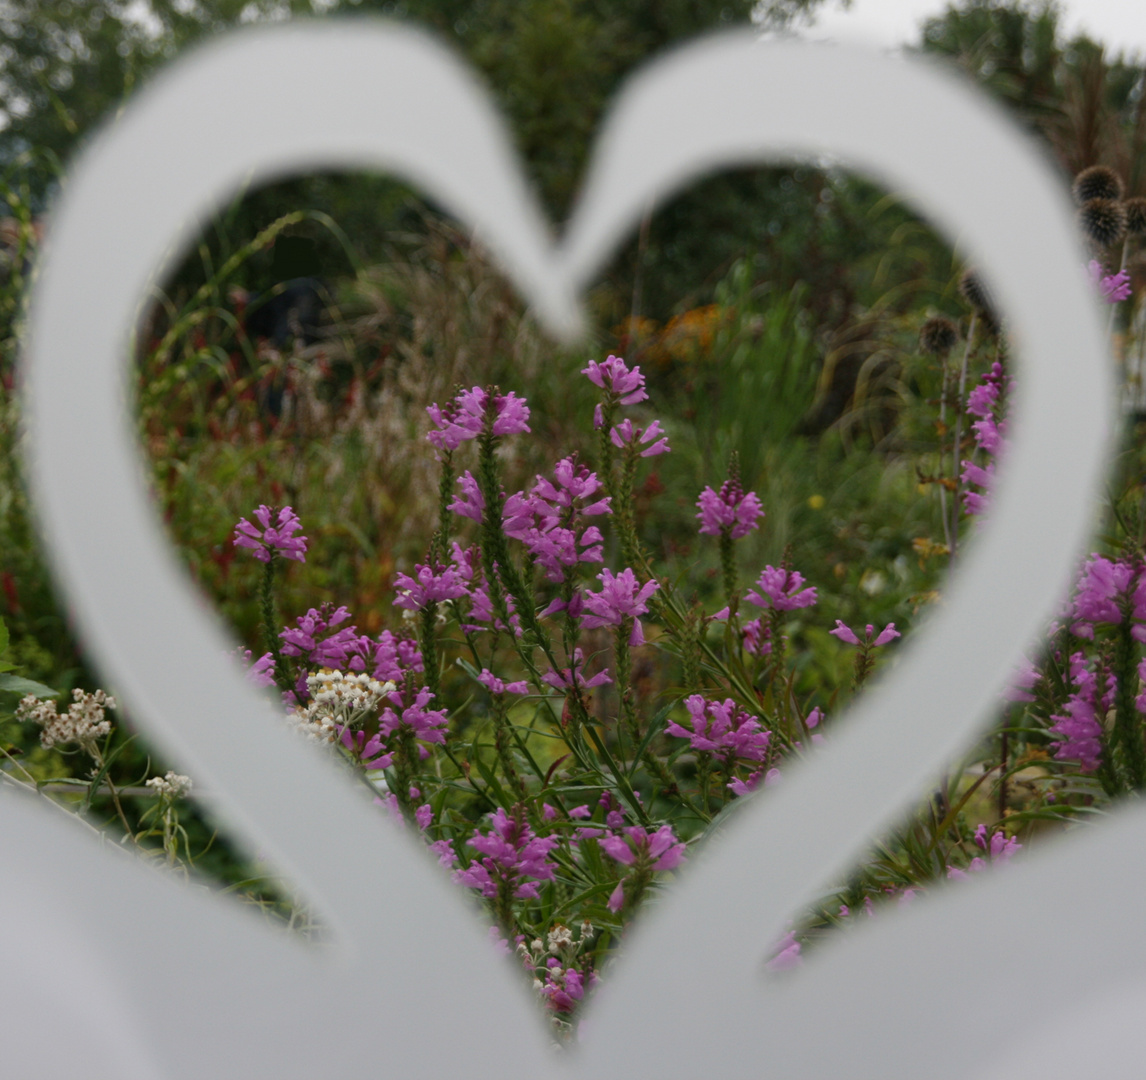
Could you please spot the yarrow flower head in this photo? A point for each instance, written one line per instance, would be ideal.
(620, 598)
(615, 378)
(782, 590)
(272, 539)
(731, 508)
(172, 786)
(83, 723)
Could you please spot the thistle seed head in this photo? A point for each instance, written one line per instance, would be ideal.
(1103, 221)
(1097, 182)
(938, 335)
(1135, 216)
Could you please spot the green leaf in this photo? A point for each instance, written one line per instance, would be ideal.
(15, 684)
(3, 638)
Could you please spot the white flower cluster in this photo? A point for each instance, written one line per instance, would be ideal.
(83, 723)
(173, 785)
(337, 701)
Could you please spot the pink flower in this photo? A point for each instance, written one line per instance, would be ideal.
(277, 539)
(720, 727)
(615, 378)
(513, 857)
(659, 851)
(261, 672)
(732, 508)
(427, 588)
(625, 434)
(453, 426)
(1080, 727)
(787, 954)
(315, 637)
(1113, 287)
(783, 590)
(1103, 584)
(470, 503)
(575, 488)
(846, 634)
(429, 725)
(393, 657)
(620, 598)
(568, 677)
(495, 685)
(511, 412)
(756, 635)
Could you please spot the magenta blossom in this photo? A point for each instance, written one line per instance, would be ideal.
(612, 376)
(511, 412)
(625, 434)
(320, 637)
(564, 988)
(1081, 726)
(429, 725)
(782, 590)
(720, 727)
(427, 587)
(453, 426)
(394, 656)
(660, 851)
(1113, 287)
(998, 847)
(277, 539)
(846, 634)
(731, 508)
(513, 857)
(470, 503)
(1104, 587)
(620, 598)
(567, 678)
(496, 686)
(787, 954)
(574, 488)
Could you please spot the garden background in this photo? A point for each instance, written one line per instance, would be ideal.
(776, 314)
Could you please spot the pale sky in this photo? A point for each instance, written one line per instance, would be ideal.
(1120, 24)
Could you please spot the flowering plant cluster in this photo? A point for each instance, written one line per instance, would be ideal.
(502, 715)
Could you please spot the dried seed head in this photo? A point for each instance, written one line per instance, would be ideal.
(1135, 215)
(1103, 221)
(938, 335)
(979, 297)
(1097, 182)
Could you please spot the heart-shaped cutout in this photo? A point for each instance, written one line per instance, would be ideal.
(722, 98)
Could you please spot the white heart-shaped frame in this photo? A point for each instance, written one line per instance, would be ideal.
(406, 991)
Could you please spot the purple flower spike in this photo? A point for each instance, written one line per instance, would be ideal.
(783, 590)
(731, 508)
(427, 588)
(628, 386)
(625, 434)
(513, 855)
(277, 539)
(620, 598)
(512, 413)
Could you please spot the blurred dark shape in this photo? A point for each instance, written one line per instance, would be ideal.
(294, 306)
